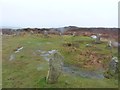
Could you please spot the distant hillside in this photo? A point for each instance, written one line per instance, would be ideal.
(68, 30)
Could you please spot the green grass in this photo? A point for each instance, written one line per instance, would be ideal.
(29, 70)
(0, 62)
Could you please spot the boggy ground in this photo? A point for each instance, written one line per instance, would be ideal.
(29, 69)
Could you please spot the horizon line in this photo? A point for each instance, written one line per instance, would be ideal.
(10, 27)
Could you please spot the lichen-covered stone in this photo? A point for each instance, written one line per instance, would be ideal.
(55, 67)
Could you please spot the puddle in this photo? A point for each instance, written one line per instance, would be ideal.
(98, 74)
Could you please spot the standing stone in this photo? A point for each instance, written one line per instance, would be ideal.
(16, 33)
(60, 34)
(45, 33)
(55, 68)
(74, 34)
(31, 32)
(109, 45)
(113, 65)
(98, 38)
(115, 44)
(1, 33)
(113, 69)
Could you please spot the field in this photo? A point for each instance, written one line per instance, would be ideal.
(0, 62)
(28, 69)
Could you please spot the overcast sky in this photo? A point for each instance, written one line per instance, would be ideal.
(59, 13)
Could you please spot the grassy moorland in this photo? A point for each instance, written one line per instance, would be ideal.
(0, 62)
(29, 69)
